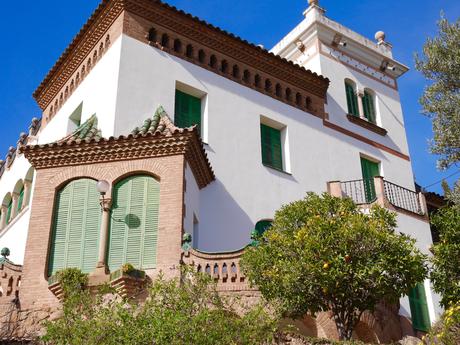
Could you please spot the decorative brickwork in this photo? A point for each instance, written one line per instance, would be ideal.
(187, 37)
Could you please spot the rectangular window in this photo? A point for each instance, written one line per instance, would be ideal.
(368, 107)
(187, 111)
(352, 100)
(419, 309)
(75, 119)
(272, 155)
(370, 170)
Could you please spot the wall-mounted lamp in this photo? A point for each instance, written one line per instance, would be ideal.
(386, 65)
(103, 187)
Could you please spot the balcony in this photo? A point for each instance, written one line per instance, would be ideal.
(377, 190)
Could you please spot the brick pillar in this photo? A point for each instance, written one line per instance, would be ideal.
(380, 190)
(334, 188)
(3, 217)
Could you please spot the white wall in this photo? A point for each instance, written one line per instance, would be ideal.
(245, 191)
(14, 234)
(98, 93)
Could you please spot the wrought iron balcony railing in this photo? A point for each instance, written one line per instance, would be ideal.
(368, 191)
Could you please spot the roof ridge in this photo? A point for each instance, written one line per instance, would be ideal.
(160, 123)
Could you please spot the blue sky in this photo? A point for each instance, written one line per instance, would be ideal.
(37, 32)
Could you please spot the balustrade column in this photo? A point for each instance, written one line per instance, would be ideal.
(334, 188)
(27, 193)
(423, 206)
(380, 190)
(104, 232)
(14, 206)
(360, 95)
(3, 217)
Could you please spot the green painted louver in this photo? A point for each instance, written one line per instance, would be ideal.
(8, 212)
(262, 226)
(352, 100)
(75, 237)
(370, 170)
(368, 107)
(20, 199)
(187, 111)
(419, 309)
(134, 223)
(271, 147)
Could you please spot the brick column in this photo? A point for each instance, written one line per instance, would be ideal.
(334, 188)
(380, 190)
(14, 207)
(27, 192)
(3, 216)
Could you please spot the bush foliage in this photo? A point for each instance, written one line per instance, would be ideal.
(178, 311)
(323, 253)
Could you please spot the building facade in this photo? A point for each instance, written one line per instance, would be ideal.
(187, 129)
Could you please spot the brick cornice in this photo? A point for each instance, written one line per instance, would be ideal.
(151, 145)
(184, 24)
(80, 47)
(228, 44)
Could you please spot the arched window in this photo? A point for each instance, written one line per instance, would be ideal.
(257, 81)
(298, 99)
(189, 51)
(288, 95)
(76, 224)
(278, 90)
(213, 61)
(201, 56)
(9, 211)
(236, 71)
(177, 45)
(352, 98)
(152, 35)
(224, 66)
(262, 226)
(165, 40)
(246, 76)
(134, 223)
(268, 85)
(369, 106)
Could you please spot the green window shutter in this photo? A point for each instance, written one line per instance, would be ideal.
(352, 100)
(262, 226)
(8, 212)
(272, 152)
(21, 199)
(187, 111)
(370, 170)
(75, 238)
(419, 308)
(134, 223)
(368, 107)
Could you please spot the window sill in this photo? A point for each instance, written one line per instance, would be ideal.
(366, 124)
(276, 169)
(14, 221)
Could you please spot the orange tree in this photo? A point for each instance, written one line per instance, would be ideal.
(323, 253)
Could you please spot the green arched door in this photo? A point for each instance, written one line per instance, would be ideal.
(134, 223)
(76, 227)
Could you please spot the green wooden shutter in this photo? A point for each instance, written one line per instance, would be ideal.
(368, 107)
(262, 226)
(370, 170)
(134, 223)
(419, 308)
(272, 152)
(21, 199)
(187, 111)
(75, 238)
(8, 213)
(352, 100)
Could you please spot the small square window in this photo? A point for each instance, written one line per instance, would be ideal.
(187, 111)
(272, 151)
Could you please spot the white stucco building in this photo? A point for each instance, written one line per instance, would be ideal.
(271, 130)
